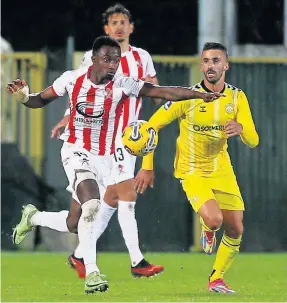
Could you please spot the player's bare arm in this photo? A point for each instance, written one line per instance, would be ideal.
(37, 100)
(154, 81)
(176, 93)
(57, 130)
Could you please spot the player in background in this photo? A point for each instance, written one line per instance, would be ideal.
(96, 99)
(202, 163)
(137, 63)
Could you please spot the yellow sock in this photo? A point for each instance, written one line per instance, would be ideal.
(226, 253)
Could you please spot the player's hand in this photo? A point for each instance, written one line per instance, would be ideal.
(209, 97)
(233, 128)
(58, 129)
(147, 78)
(143, 179)
(20, 89)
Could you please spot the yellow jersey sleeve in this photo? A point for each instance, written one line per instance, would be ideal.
(162, 117)
(249, 135)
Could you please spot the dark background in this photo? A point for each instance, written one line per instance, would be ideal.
(161, 27)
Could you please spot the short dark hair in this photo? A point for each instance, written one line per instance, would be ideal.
(116, 9)
(104, 41)
(215, 45)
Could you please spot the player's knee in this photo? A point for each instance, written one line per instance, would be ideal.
(214, 221)
(111, 196)
(72, 224)
(130, 195)
(86, 186)
(234, 230)
(126, 190)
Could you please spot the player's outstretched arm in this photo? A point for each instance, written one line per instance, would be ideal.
(21, 90)
(154, 81)
(175, 93)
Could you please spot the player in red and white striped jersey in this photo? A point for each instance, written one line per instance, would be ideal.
(96, 99)
(137, 63)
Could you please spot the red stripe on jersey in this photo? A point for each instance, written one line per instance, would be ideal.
(139, 63)
(89, 111)
(76, 90)
(107, 108)
(126, 113)
(140, 74)
(117, 120)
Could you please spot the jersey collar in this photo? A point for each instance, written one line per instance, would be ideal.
(208, 90)
(129, 49)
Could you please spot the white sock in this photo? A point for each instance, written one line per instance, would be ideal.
(103, 218)
(128, 223)
(78, 253)
(53, 220)
(86, 233)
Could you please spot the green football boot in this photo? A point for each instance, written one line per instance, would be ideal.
(21, 229)
(96, 282)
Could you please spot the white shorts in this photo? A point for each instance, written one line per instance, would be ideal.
(77, 158)
(123, 162)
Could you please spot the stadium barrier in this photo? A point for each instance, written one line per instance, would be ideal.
(19, 125)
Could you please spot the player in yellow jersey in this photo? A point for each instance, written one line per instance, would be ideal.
(202, 163)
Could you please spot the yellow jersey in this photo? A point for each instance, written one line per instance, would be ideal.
(201, 147)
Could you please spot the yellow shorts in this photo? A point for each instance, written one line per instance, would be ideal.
(224, 190)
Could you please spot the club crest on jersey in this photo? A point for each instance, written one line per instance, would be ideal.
(109, 93)
(202, 108)
(139, 63)
(83, 109)
(229, 108)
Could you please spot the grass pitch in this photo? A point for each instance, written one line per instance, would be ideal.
(44, 277)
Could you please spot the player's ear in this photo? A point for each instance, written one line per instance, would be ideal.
(132, 27)
(226, 66)
(106, 29)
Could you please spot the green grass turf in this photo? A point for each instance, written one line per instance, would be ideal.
(44, 277)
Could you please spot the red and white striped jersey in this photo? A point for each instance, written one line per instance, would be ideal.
(136, 63)
(95, 110)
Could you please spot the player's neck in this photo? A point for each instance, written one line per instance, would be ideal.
(125, 46)
(215, 87)
(94, 77)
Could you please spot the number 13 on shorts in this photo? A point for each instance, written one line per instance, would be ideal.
(119, 154)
